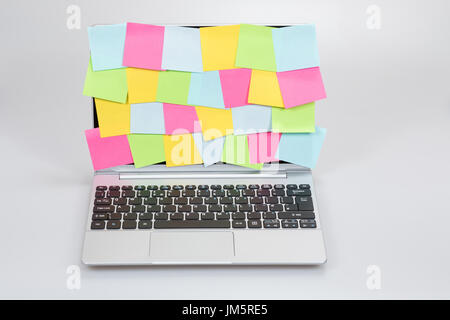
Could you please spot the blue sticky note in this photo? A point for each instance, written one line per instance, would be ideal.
(206, 90)
(251, 119)
(211, 150)
(107, 43)
(182, 49)
(301, 148)
(147, 118)
(295, 47)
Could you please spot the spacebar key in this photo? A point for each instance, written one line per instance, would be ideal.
(175, 224)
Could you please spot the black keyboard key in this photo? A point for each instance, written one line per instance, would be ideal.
(290, 207)
(207, 216)
(180, 200)
(308, 223)
(188, 193)
(199, 208)
(223, 216)
(266, 186)
(256, 200)
(272, 223)
(291, 186)
(296, 215)
(161, 216)
(173, 193)
(260, 207)
(233, 193)
(276, 207)
(238, 224)
(114, 188)
(165, 201)
(135, 201)
(98, 225)
(154, 208)
(289, 223)
(150, 201)
(203, 193)
(143, 193)
(279, 186)
(101, 188)
(218, 193)
(245, 207)
(146, 216)
(100, 216)
(272, 200)
(128, 194)
(120, 201)
(241, 200)
(190, 187)
(304, 186)
(269, 215)
(113, 224)
(192, 216)
(158, 193)
(129, 224)
(253, 186)
(238, 215)
(196, 200)
(113, 194)
(139, 208)
(203, 187)
(241, 186)
(115, 216)
(169, 208)
(226, 200)
(127, 187)
(263, 193)
(139, 187)
(103, 209)
(145, 225)
(211, 200)
(254, 224)
(175, 224)
(99, 194)
(164, 187)
(215, 208)
(230, 208)
(184, 208)
(176, 216)
(304, 203)
(216, 187)
(129, 216)
(177, 187)
(228, 186)
(123, 208)
(299, 192)
(102, 202)
(253, 215)
(152, 187)
(248, 193)
(287, 200)
(278, 192)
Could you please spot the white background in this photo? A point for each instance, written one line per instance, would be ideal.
(383, 178)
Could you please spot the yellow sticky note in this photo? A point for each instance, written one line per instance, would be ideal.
(181, 150)
(113, 118)
(142, 85)
(219, 47)
(215, 122)
(265, 89)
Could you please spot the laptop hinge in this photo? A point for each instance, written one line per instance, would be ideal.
(202, 175)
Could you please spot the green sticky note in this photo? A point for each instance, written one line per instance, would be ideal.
(255, 48)
(296, 119)
(146, 149)
(173, 87)
(235, 151)
(108, 84)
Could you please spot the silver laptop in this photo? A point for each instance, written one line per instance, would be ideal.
(191, 215)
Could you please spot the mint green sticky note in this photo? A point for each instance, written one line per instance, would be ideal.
(235, 151)
(296, 119)
(255, 48)
(173, 87)
(146, 149)
(107, 84)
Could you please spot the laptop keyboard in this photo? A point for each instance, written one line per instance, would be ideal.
(203, 206)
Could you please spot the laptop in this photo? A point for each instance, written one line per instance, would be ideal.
(194, 215)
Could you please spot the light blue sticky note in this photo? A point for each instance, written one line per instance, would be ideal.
(182, 49)
(301, 148)
(295, 47)
(211, 150)
(206, 90)
(251, 119)
(147, 118)
(107, 43)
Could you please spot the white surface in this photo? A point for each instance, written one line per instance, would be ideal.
(382, 180)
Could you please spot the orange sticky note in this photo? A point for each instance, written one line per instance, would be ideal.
(265, 89)
(180, 150)
(113, 118)
(215, 122)
(142, 85)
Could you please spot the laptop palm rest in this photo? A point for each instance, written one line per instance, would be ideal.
(192, 246)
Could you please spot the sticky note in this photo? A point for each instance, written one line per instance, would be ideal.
(143, 46)
(214, 122)
(298, 119)
(263, 146)
(142, 85)
(147, 118)
(295, 47)
(301, 86)
(235, 85)
(113, 118)
(107, 152)
(264, 89)
(235, 151)
(206, 90)
(107, 84)
(251, 119)
(173, 87)
(107, 43)
(219, 47)
(180, 119)
(146, 149)
(181, 49)
(211, 151)
(301, 148)
(255, 48)
(180, 150)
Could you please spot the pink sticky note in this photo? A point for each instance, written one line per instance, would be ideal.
(108, 152)
(235, 85)
(263, 146)
(301, 86)
(143, 46)
(180, 119)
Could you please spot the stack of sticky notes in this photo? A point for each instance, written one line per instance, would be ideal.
(239, 94)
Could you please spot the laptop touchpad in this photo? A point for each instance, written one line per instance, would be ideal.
(192, 246)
